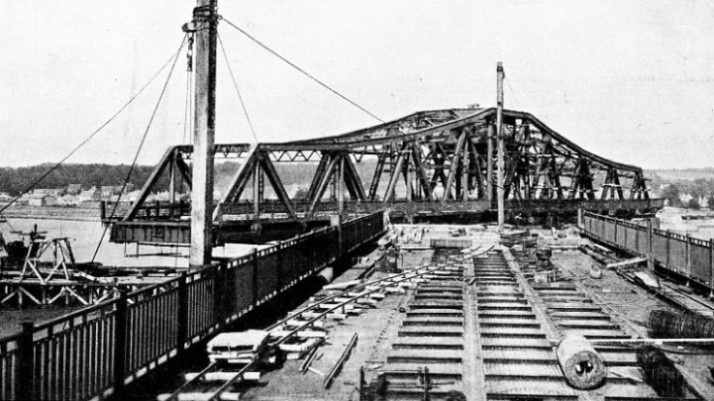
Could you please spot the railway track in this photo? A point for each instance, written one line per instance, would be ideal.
(486, 332)
(427, 358)
(219, 381)
(469, 328)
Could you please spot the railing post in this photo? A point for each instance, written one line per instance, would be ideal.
(711, 268)
(182, 324)
(120, 342)
(25, 366)
(650, 248)
(254, 283)
(219, 292)
(336, 222)
(669, 264)
(580, 218)
(688, 256)
(279, 268)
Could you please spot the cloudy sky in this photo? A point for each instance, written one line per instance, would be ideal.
(632, 81)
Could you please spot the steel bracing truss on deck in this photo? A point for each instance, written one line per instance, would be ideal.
(427, 163)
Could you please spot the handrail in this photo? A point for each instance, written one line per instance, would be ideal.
(115, 332)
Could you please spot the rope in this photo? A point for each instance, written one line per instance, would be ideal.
(141, 145)
(235, 85)
(92, 135)
(188, 106)
(324, 85)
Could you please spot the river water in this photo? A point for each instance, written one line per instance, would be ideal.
(85, 236)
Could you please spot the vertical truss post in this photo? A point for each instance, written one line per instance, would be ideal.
(374, 186)
(465, 168)
(276, 183)
(606, 185)
(256, 190)
(489, 164)
(421, 172)
(396, 170)
(317, 178)
(439, 157)
(455, 162)
(352, 180)
(617, 188)
(339, 185)
(172, 179)
(323, 181)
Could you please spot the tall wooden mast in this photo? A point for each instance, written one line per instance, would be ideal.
(501, 151)
(205, 21)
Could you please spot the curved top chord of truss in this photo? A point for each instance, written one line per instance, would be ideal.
(419, 125)
(429, 163)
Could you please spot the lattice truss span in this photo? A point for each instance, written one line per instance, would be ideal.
(429, 162)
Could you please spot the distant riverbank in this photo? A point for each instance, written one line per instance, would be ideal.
(53, 213)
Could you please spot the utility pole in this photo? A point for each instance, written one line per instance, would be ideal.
(204, 28)
(499, 135)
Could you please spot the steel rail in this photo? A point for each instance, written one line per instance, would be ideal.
(358, 287)
(341, 304)
(202, 373)
(288, 335)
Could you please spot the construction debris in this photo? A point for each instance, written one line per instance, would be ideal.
(625, 263)
(660, 372)
(666, 324)
(582, 366)
(338, 366)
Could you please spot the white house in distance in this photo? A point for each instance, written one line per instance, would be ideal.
(40, 199)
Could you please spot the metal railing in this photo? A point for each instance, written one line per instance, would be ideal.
(690, 257)
(96, 351)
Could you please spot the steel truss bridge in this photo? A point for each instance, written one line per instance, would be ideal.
(436, 165)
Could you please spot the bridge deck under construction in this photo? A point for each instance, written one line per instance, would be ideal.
(482, 325)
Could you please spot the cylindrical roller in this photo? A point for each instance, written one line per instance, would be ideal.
(582, 366)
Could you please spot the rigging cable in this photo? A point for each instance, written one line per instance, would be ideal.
(93, 134)
(141, 145)
(187, 111)
(188, 107)
(324, 85)
(235, 85)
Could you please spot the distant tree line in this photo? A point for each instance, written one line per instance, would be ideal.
(15, 180)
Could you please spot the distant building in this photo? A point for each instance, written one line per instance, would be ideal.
(89, 197)
(48, 191)
(34, 199)
(74, 189)
(106, 192)
(68, 200)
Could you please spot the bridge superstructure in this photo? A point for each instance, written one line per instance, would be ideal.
(437, 164)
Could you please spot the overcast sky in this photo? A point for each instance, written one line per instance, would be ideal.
(632, 81)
